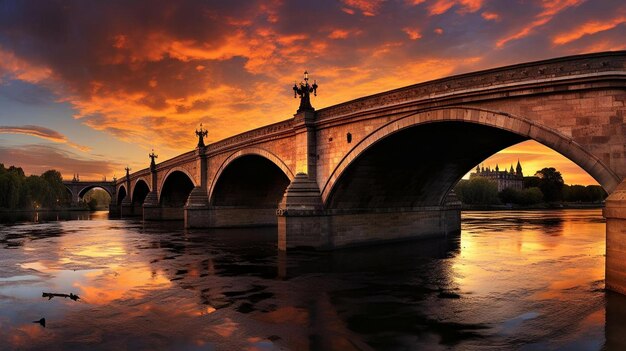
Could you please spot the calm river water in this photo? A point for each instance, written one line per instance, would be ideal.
(521, 280)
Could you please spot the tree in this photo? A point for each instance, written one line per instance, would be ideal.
(580, 193)
(550, 183)
(477, 191)
(57, 191)
(101, 197)
(530, 196)
(93, 204)
(20, 192)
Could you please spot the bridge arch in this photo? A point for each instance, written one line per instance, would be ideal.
(247, 189)
(141, 180)
(121, 194)
(506, 128)
(170, 172)
(84, 190)
(141, 188)
(248, 152)
(175, 188)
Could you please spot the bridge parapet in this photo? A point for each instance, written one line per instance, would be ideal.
(265, 133)
(552, 71)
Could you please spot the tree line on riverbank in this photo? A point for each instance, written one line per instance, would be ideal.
(20, 192)
(545, 187)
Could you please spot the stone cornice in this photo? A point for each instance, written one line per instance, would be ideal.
(551, 70)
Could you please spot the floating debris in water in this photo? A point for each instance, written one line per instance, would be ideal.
(51, 295)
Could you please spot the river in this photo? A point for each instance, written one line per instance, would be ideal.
(513, 280)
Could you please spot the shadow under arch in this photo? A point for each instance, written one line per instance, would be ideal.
(247, 189)
(86, 189)
(169, 173)
(248, 152)
(440, 133)
(121, 194)
(141, 188)
(175, 190)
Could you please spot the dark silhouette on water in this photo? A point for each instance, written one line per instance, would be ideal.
(51, 295)
(42, 322)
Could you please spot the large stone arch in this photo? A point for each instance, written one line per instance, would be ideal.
(141, 188)
(247, 152)
(523, 127)
(247, 188)
(121, 192)
(141, 179)
(172, 170)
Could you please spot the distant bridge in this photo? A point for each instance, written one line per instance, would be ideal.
(78, 189)
(382, 167)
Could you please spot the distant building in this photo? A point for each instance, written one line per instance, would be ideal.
(503, 179)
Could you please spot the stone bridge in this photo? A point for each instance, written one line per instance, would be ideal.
(78, 189)
(382, 167)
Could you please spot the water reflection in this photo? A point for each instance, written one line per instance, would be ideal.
(47, 216)
(511, 280)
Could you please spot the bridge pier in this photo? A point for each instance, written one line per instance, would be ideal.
(151, 207)
(114, 210)
(615, 214)
(197, 213)
(302, 221)
(126, 207)
(301, 218)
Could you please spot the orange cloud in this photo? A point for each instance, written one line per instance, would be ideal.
(42, 132)
(439, 7)
(550, 8)
(587, 28)
(367, 7)
(22, 69)
(413, 33)
(490, 16)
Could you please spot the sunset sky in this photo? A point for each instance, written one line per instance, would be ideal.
(91, 86)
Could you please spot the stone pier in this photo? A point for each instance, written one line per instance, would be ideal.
(615, 214)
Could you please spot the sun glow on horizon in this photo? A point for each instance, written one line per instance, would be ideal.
(534, 156)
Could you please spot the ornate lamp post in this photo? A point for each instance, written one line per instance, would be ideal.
(127, 173)
(201, 135)
(304, 90)
(152, 163)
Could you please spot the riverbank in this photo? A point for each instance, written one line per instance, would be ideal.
(46, 210)
(542, 206)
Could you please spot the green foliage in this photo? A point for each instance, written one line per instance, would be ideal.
(100, 198)
(531, 182)
(529, 196)
(93, 204)
(20, 192)
(551, 184)
(477, 191)
(580, 193)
